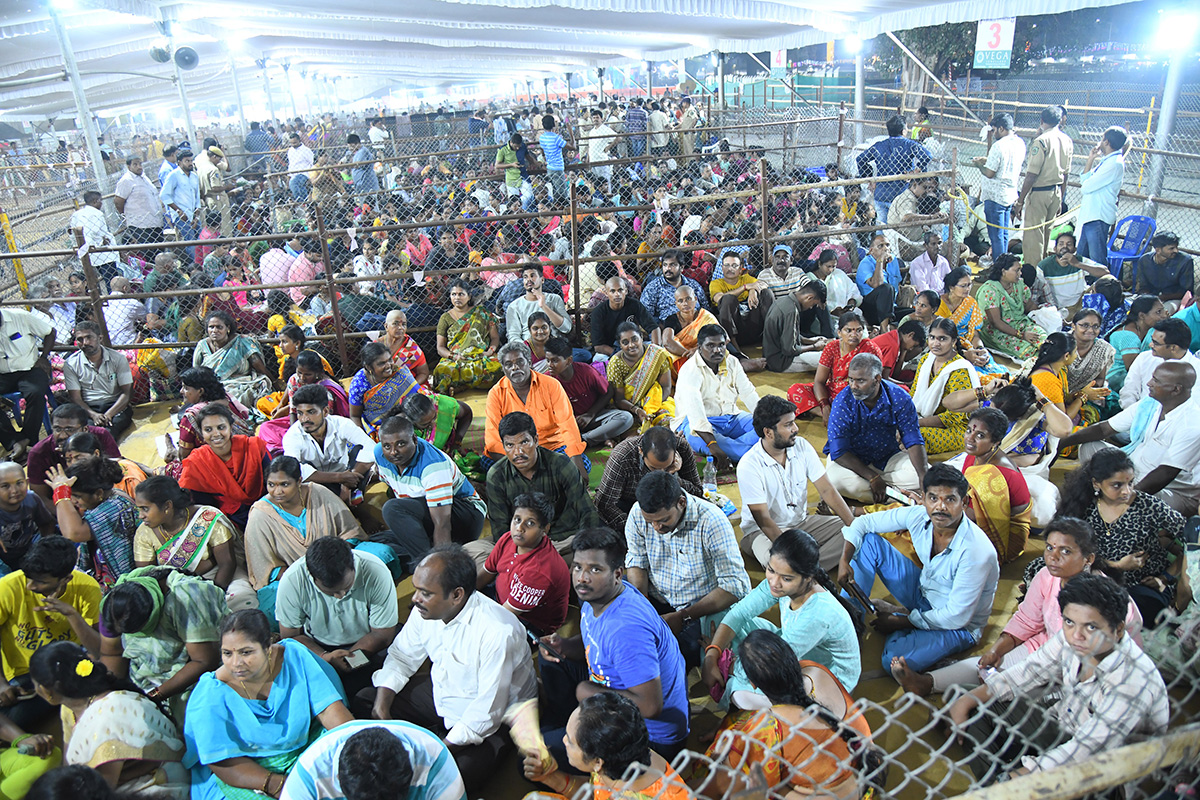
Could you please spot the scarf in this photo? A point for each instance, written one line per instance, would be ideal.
(1147, 413)
(143, 577)
(928, 391)
(236, 484)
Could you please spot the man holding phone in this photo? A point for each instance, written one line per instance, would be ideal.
(341, 605)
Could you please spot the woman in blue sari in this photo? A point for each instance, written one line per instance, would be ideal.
(380, 386)
(248, 722)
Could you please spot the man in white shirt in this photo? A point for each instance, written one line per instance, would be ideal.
(332, 450)
(1001, 180)
(516, 316)
(25, 341)
(1169, 341)
(122, 316)
(1164, 429)
(91, 220)
(601, 141)
(711, 383)
(480, 666)
(377, 134)
(774, 477)
(137, 200)
(1099, 187)
(300, 159)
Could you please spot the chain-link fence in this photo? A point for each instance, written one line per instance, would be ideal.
(1089, 112)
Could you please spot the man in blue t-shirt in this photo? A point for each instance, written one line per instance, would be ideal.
(624, 647)
(553, 147)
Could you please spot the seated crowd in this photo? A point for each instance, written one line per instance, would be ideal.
(229, 624)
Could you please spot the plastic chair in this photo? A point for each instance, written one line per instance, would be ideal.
(1137, 232)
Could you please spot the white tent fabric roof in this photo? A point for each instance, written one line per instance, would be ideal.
(367, 47)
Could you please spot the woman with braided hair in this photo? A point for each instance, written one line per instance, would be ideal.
(109, 725)
(810, 739)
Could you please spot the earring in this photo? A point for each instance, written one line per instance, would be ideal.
(1096, 492)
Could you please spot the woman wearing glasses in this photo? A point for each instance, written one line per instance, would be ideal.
(1093, 359)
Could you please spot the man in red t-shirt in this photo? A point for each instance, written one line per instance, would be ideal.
(532, 579)
(899, 346)
(590, 395)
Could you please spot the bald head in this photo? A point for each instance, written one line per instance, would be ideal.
(685, 291)
(120, 284)
(1176, 373)
(395, 315)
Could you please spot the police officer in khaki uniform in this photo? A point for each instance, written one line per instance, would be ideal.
(1045, 187)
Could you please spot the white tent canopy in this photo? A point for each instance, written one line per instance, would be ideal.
(355, 48)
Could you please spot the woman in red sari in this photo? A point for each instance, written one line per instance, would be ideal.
(229, 470)
(834, 366)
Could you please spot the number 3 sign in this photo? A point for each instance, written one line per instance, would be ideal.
(994, 42)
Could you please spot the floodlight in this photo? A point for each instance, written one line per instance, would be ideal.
(853, 45)
(1176, 31)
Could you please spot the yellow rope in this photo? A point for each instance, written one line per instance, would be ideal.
(1051, 223)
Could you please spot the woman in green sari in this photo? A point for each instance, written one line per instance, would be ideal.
(467, 341)
(1007, 301)
(380, 386)
(197, 539)
(438, 419)
(158, 626)
(254, 717)
(235, 358)
(640, 374)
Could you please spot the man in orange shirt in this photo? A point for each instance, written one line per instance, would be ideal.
(541, 397)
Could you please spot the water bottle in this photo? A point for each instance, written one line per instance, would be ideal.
(710, 476)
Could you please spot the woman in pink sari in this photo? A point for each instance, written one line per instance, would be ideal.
(310, 370)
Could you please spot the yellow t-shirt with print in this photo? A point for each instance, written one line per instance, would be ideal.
(23, 630)
(722, 286)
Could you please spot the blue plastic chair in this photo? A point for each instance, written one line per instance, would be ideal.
(1137, 231)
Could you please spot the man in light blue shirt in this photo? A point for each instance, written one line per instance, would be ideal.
(169, 163)
(946, 602)
(878, 279)
(181, 196)
(348, 762)
(364, 177)
(553, 148)
(1100, 184)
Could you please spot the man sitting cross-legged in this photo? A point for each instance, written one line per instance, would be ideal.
(947, 600)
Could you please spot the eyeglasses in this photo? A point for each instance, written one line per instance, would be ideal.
(1088, 326)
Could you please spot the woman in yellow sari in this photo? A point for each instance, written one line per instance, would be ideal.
(999, 496)
(1049, 375)
(467, 341)
(640, 374)
(680, 339)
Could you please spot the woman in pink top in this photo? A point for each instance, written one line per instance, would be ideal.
(417, 245)
(1070, 550)
(304, 268)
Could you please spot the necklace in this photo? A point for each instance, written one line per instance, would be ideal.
(270, 676)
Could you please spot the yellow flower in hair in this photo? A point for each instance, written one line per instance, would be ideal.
(84, 668)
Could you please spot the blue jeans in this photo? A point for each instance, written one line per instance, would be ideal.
(187, 233)
(734, 434)
(299, 184)
(881, 211)
(581, 355)
(637, 145)
(1093, 241)
(558, 185)
(922, 648)
(997, 215)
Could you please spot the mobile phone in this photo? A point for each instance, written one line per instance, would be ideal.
(898, 496)
(356, 659)
(862, 597)
(544, 646)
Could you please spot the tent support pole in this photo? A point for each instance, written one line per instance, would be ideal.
(86, 120)
(934, 78)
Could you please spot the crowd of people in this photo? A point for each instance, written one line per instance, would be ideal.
(229, 624)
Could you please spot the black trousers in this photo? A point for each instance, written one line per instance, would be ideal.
(33, 384)
(744, 327)
(121, 422)
(411, 526)
(414, 703)
(880, 304)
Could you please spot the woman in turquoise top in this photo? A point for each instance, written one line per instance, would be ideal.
(819, 625)
(249, 721)
(1132, 338)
